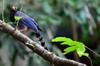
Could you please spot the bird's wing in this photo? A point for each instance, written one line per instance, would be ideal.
(36, 24)
(27, 18)
(29, 23)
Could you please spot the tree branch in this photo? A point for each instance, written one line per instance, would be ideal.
(37, 48)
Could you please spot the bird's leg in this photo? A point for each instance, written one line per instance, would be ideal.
(16, 25)
(15, 28)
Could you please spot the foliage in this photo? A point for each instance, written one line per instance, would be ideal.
(73, 46)
(17, 18)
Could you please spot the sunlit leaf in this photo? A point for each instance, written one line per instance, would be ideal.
(60, 39)
(17, 18)
(68, 42)
(80, 48)
(74, 45)
(86, 54)
(69, 49)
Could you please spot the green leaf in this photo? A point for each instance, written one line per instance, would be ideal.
(69, 49)
(80, 48)
(80, 53)
(86, 54)
(74, 45)
(68, 42)
(60, 39)
(17, 18)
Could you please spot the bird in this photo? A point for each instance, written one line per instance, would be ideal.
(26, 21)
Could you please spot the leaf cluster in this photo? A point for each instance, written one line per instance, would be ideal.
(73, 46)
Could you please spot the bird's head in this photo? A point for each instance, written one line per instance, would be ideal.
(12, 12)
(14, 8)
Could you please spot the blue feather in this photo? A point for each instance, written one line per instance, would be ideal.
(28, 21)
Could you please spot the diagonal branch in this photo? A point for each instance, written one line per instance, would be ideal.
(37, 48)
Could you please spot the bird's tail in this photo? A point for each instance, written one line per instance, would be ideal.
(41, 40)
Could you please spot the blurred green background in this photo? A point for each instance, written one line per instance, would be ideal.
(75, 19)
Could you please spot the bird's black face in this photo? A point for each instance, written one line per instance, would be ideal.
(12, 13)
(12, 17)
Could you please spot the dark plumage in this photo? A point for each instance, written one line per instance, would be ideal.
(26, 21)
